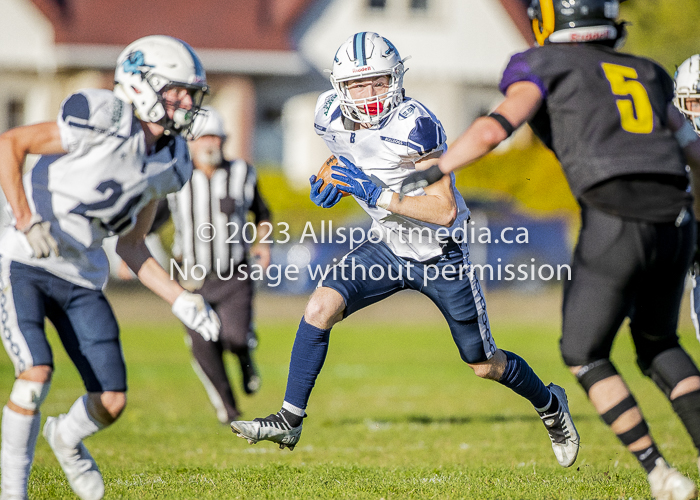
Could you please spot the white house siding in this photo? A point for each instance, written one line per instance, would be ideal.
(458, 50)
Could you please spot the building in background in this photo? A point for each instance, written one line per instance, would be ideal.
(264, 58)
(459, 49)
(50, 48)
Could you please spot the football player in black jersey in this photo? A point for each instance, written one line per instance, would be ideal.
(687, 100)
(623, 146)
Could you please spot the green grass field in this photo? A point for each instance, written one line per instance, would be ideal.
(395, 414)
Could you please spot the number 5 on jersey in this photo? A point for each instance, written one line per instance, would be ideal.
(636, 115)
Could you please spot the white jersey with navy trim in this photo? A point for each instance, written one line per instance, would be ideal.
(98, 187)
(387, 153)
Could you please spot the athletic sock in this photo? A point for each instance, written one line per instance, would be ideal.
(19, 435)
(77, 424)
(519, 377)
(291, 418)
(647, 457)
(551, 408)
(308, 355)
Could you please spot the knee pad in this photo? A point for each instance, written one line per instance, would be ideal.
(595, 372)
(669, 368)
(29, 395)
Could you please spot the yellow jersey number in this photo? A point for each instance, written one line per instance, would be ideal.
(636, 115)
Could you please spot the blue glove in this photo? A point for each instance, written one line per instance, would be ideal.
(326, 198)
(358, 184)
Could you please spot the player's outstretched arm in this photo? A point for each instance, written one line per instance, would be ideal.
(438, 206)
(189, 308)
(522, 101)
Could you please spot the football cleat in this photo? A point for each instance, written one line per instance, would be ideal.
(562, 432)
(273, 428)
(81, 469)
(669, 484)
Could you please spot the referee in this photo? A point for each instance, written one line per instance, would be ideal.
(220, 196)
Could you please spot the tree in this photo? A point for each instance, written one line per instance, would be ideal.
(666, 31)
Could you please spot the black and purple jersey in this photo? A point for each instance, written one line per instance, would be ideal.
(604, 112)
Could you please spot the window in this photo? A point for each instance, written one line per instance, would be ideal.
(419, 4)
(376, 4)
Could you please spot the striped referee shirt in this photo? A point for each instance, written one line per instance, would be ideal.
(210, 217)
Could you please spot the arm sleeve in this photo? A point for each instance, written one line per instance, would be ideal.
(519, 69)
(86, 118)
(426, 134)
(667, 84)
(73, 120)
(259, 207)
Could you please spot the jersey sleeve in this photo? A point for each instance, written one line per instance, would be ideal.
(426, 134)
(520, 69)
(88, 116)
(667, 83)
(327, 109)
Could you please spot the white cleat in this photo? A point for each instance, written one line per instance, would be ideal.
(81, 470)
(669, 484)
(562, 432)
(271, 428)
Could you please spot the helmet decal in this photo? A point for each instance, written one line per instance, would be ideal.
(358, 46)
(134, 63)
(391, 48)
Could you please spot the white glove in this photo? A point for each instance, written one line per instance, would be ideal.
(38, 235)
(197, 315)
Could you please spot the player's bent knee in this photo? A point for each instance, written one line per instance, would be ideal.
(106, 407)
(492, 369)
(325, 308)
(29, 395)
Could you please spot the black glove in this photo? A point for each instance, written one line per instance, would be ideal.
(420, 179)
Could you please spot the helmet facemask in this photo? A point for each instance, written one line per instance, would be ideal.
(371, 110)
(368, 55)
(183, 118)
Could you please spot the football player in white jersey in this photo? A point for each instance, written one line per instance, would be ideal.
(104, 164)
(381, 136)
(687, 100)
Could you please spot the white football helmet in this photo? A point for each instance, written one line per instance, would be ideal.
(687, 80)
(150, 66)
(363, 55)
(208, 122)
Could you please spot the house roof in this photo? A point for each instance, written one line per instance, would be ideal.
(230, 36)
(209, 24)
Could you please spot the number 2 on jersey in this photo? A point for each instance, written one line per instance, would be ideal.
(636, 115)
